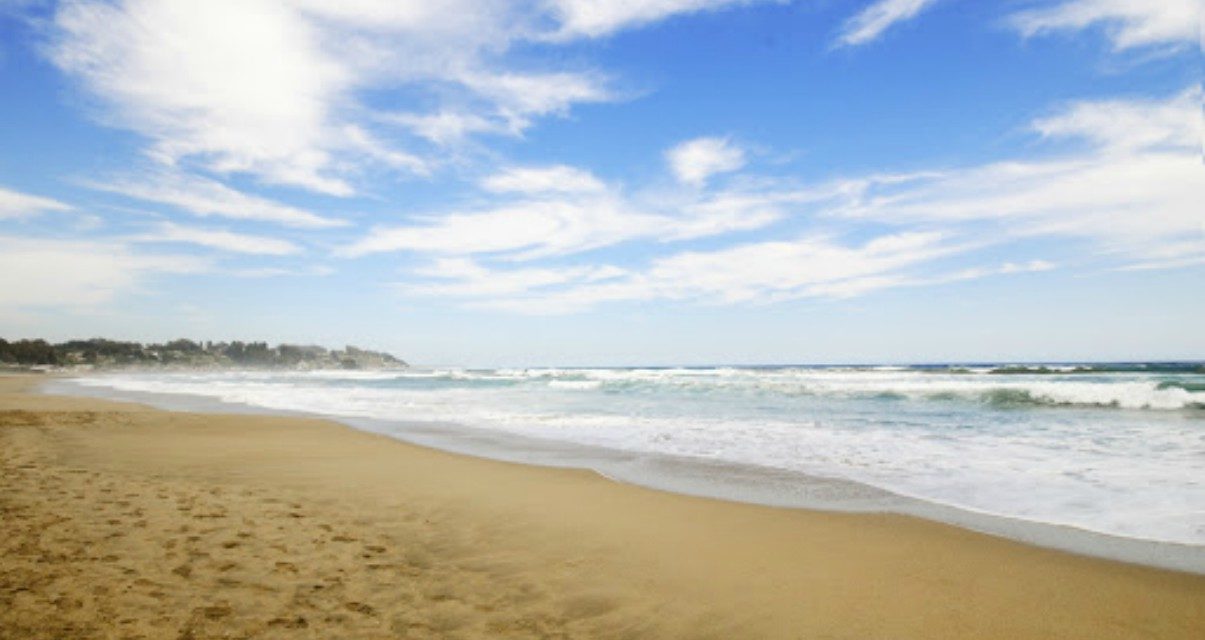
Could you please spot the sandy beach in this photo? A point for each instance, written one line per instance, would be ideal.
(122, 521)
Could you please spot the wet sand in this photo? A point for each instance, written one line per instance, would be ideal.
(122, 521)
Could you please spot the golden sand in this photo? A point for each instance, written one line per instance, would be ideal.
(120, 521)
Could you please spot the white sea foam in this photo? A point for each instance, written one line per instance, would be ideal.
(1117, 453)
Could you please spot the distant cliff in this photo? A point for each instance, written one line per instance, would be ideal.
(186, 354)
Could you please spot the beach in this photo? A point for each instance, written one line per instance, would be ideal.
(123, 521)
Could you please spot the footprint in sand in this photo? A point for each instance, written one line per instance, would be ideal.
(360, 608)
(289, 623)
(215, 612)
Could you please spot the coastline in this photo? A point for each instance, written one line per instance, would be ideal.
(723, 480)
(288, 526)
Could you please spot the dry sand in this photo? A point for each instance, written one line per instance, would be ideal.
(120, 521)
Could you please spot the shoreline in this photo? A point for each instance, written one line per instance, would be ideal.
(740, 483)
(164, 523)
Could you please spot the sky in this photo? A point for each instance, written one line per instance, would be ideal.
(574, 182)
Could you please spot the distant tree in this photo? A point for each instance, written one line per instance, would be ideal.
(182, 344)
(258, 353)
(236, 351)
(290, 355)
(30, 352)
(103, 352)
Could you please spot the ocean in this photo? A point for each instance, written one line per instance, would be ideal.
(1116, 452)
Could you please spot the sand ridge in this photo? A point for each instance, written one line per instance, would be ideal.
(120, 521)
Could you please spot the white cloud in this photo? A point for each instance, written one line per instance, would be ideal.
(1130, 125)
(578, 214)
(791, 268)
(70, 273)
(281, 272)
(973, 273)
(1127, 180)
(551, 179)
(14, 204)
(871, 22)
(446, 127)
(518, 97)
(220, 239)
(758, 272)
(205, 197)
(754, 273)
(367, 145)
(1135, 185)
(535, 228)
(591, 18)
(461, 277)
(694, 161)
(273, 89)
(242, 85)
(1128, 23)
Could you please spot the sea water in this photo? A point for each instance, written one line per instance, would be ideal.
(1117, 450)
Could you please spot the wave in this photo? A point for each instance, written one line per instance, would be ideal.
(1065, 369)
(1144, 391)
(1105, 452)
(574, 384)
(1130, 390)
(1146, 399)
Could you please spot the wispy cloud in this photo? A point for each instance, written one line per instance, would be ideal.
(870, 23)
(281, 272)
(531, 228)
(1130, 125)
(448, 126)
(694, 161)
(577, 213)
(77, 274)
(14, 204)
(1128, 24)
(590, 18)
(1134, 186)
(464, 278)
(759, 272)
(273, 89)
(550, 179)
(1126, 179)
(221, 239)
(204, 197)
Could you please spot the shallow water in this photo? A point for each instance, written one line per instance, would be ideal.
(1117, 450)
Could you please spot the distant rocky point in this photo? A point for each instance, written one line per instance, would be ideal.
(99, 353)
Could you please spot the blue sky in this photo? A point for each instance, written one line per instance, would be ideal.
(566, 182)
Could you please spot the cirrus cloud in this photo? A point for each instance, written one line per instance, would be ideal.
(204, 197)
(870, 23)
(221, 239)
(14, 204)
(1128, 24)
